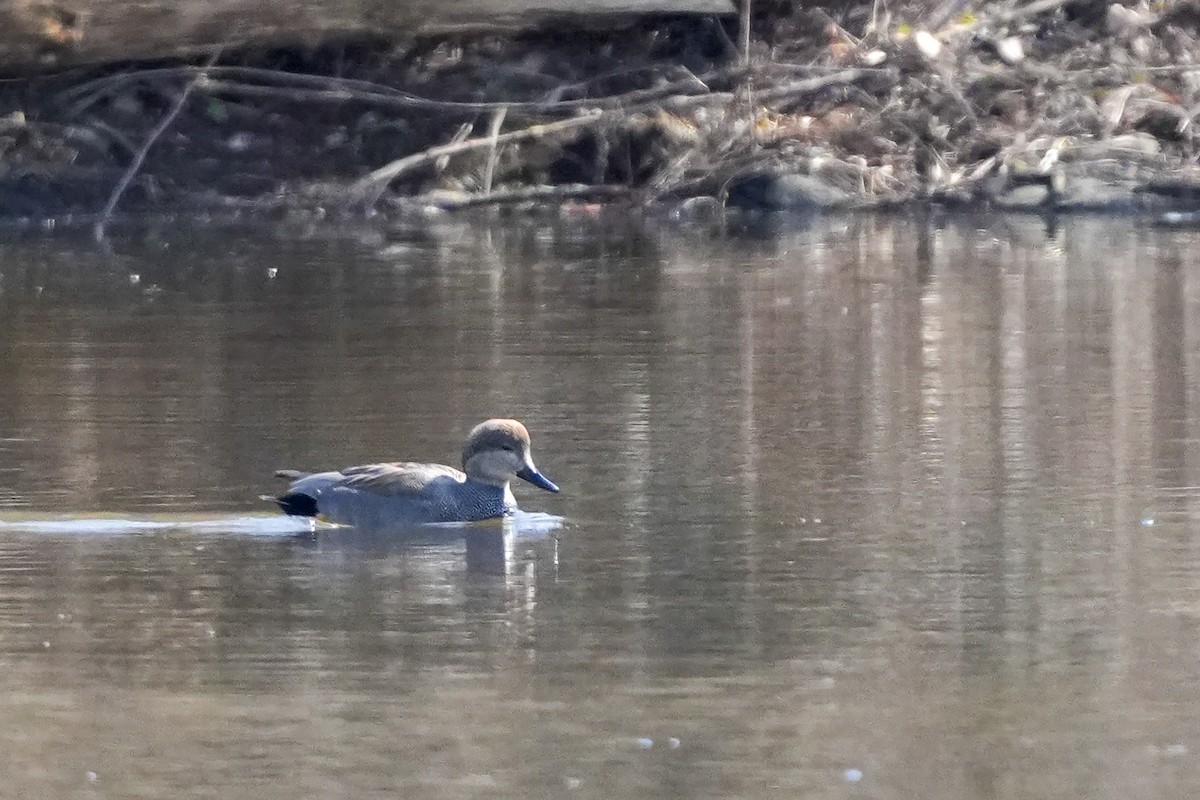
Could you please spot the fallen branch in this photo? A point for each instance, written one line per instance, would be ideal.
(368, 189)
(403, 100)
(809, 85)
(744, 31)
(493, 154)
(1032, 9)
(258, 82)
(532, 194)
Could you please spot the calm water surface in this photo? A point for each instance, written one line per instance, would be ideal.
(863, 508)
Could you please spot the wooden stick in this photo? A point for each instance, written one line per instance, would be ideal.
(370, 187)
(257, 82)
(460, 135)
(402, 100)
(493, 134)
(744, 32)
(1037, 7)
(530, 194)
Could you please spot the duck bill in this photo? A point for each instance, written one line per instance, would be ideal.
(529, 473)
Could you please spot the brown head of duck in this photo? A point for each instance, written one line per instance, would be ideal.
(496, 451)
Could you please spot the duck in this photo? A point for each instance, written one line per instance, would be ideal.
(412, 493)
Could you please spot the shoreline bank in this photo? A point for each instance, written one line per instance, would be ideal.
(1026, 107)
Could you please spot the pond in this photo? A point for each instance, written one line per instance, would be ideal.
(851, 507)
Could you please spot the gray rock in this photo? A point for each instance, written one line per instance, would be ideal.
(1027, 197)
(696, 209)
(784, 191)
(1179, 219)
(1093, 194)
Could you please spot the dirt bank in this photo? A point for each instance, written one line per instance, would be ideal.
(1038, 105)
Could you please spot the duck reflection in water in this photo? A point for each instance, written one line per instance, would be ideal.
(497, 547)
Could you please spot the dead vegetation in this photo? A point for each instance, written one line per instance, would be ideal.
(1049, 103)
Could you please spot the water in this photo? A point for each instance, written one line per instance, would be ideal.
(858, 508)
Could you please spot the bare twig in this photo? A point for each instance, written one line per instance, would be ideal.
(115, 135)
(90, 92)
(257, 82)
(531, 194)
(1032, 9)
(744, 32)
(676, 73)
(402, 100)
(460, 135)
(880, 21)
(370, 187)
(708, 180)
(493, 134)
(835, 27)
(944, 13)
(140, 156)
(808, 85)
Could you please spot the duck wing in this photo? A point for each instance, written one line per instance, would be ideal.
(397, 478)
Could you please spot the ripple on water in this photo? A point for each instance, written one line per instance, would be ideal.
(116, 526)
(524, 525)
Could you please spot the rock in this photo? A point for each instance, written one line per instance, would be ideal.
(446, 199)
(1027, 197)
(927, 44)
(1163, 122)
(1093, 194)
(1010, 50)
(696, 209)
(1123, 21)
(1178, 219)
(952, 197)
(778, 191)
(1124, 145)
(1162, 195)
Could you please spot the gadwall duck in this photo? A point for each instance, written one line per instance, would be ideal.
(380, 495)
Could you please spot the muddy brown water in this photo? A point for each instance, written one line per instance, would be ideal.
(853, 508)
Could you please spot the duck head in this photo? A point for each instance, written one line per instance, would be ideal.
(498, 451)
